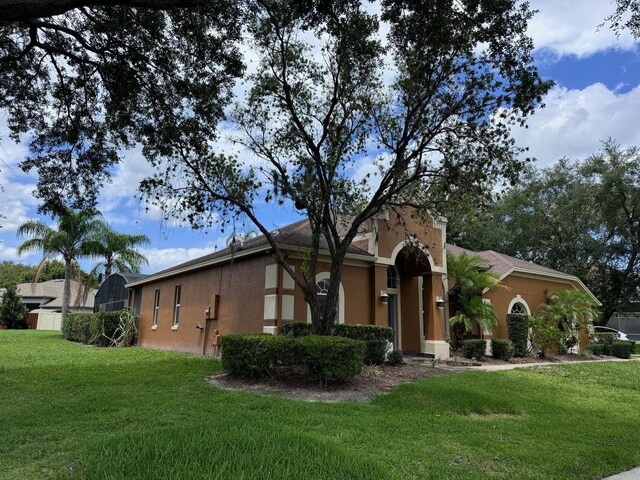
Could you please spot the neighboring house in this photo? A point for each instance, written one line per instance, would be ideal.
(113, 295)
(525, 285)
(394, 275)
(44, 302)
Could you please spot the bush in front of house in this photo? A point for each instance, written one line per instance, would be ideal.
(259, 355)
(622, 348)
(518, 328)
(77, 327)
(296, 329)
(363, 332)
(596, 348)
(606, 340)
(395, 358)
(332, 359)
(375, 352)
(328, 359)
(474, 348)
(103, 327)
(502, 349)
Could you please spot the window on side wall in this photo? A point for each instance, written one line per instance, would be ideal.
(518, 309)
(176, 310)
(156, 308)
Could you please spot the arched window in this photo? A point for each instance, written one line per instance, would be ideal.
(518, 309)
(392, 277)
(322, 288)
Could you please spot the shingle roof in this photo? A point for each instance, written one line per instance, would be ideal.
(297, 234)
(501, 264)
(53, 290)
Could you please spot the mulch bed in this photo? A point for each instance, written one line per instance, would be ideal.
(374, 380)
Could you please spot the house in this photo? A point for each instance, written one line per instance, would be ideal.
(525, 285)
(44, 302)
(394, 275)
(113, 295)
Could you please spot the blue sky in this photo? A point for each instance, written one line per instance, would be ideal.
(597, 96)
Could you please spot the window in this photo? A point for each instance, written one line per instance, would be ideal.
(176, 310)
(322, 288)
(392, 277)
(518, 309)
(156, 308)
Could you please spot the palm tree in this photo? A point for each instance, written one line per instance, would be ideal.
(568, 310)
(72, 238)
(468, 277)
(118, 252)
(240, 237)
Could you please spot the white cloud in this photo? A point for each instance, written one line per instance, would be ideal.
(575, 121)
(570, 27)
(161, 258)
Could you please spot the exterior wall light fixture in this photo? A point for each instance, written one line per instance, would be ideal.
(439, 302)
(384, 297)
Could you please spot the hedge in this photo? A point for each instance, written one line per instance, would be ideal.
(622, 348)
(91, 328)
(502, 349)
(474, 348)
(296, 329)
(518, 327)
(77, 327)
(329, 359)
(395, 358)
(606, 339)
(375, 337)
(596, 348)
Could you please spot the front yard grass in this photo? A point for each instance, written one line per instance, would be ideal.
(71, 411)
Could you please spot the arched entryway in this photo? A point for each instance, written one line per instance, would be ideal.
(413, 296)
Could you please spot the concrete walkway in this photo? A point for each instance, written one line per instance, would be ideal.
(630, 475)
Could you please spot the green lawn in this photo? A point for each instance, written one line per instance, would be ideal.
(68, 410)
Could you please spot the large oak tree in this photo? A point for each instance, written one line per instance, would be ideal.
(430, 102)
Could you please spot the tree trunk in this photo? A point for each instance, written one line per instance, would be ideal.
(66, 292)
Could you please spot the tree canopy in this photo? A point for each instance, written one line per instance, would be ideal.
(582, 218)
(430, 104)
(82, 80)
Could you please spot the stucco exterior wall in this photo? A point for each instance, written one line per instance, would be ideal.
(240, 286)
(532, 291)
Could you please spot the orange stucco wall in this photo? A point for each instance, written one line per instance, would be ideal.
(532, 290)
(241, 289)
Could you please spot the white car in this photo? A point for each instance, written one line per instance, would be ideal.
(601, 329)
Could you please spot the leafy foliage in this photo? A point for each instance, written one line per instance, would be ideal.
(118, 251)
(468, 277)
(582, 218)
(474, 348)
(569, 311)
(543, 335)
(104, 329)
(72, 238)
(92, 79)
(502, 349)
(622, 348)
(13, 313)
(518, 328)
(461, 74)
(395, 357)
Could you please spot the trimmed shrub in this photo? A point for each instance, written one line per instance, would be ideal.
(77, 327)
(474, 348)
(395, 358)
(363, 332)
(332, 359)
(375, 351)
(502, 349)
(103, 327)
(622, 348)
(13, 313)
(518, 327)
(296, 329)
(260, 355)
(606, 339)
(596, 348)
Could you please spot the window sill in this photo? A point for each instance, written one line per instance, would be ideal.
(175, 327)
(154, 327)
